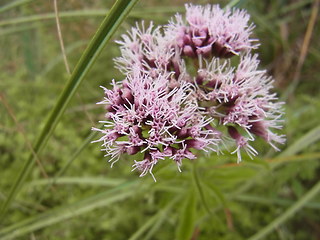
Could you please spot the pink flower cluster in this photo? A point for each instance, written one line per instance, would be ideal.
(182, 93)
(211, 30)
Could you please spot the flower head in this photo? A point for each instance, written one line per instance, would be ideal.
(240, 98)
(166, 106)
(146, 116)
(209, 30)
(144, 47)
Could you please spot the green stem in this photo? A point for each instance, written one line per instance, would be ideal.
(198, 186)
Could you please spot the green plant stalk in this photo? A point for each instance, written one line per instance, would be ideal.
(287, 214)
(198, 186)
(106, 30)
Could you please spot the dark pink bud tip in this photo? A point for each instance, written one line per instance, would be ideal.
(196, 144)
(168, 151)
(132, 150)
(186, 39)
(197, 41)
(188, 51)
(233, 132)
(183, 133)
(259, 129)
(204, 51)
(126, 94)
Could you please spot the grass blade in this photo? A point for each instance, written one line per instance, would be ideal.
(187, 218)
(91, 181)
(106, 30)
(13, 5)
(305, 141)
(273, 201)
(155, 220)
(62, 213)
(84, 13)
(287, 214)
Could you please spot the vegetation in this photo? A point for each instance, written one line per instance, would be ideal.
(56, 185)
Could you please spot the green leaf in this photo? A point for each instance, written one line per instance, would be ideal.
(198, 185)
(235, 3)
(154, 222)
(287, 214)
(106, 30)
(215, 192)
(84, 13)
(93, 181)
(303, 142)
(273, 201)
(13, 5)
(59, 214)
(187, 218)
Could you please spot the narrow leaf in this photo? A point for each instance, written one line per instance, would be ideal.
(287, 214)
(154, 222)
(273, 201)
(303, 142)
(106, 30)
(84, 13)
(93, 181)
(187, 217)
(59, 214)
(13, 5)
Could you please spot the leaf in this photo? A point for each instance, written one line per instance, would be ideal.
(303, 142)
(13, 5)
(59, 214)
(84, 13)
(215, 191)
(187, 218)
(106, 30)
(273, 201)
(154, 222)
(235, 3)
(93, 181)
(287, 214)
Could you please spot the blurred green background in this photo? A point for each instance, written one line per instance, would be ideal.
(274, 196)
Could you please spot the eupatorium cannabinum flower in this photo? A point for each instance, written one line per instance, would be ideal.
(168, 106)
(145, 115)
(210, 30)
(240, 99)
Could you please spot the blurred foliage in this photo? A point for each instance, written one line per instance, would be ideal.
(216, 199)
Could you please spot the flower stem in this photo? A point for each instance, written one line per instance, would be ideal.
(197, 183)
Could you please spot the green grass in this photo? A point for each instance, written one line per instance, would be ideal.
(77, 196)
